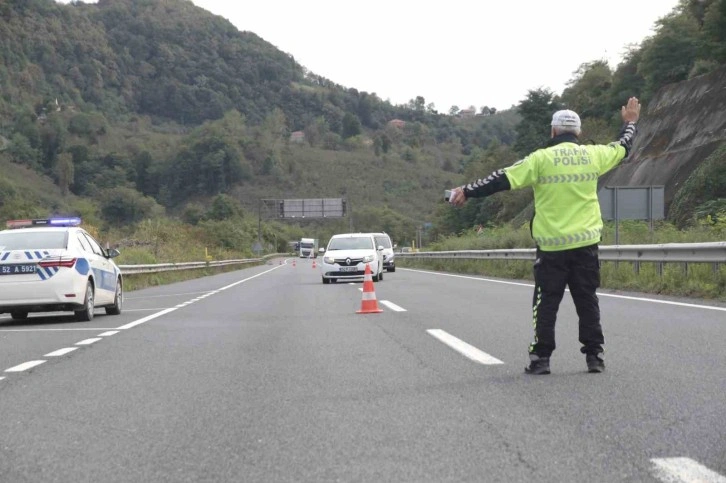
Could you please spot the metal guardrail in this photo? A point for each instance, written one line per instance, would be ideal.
(713, 252)
(168, 267)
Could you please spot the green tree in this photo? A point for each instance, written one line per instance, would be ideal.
(123, 206)
(714, 31)
(588, 92)
(351, 125)
(533, 131)
(224, 207)
(21, 151)
(64, 172)
(669, 55)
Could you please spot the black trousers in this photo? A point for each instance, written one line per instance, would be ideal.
(578, 269)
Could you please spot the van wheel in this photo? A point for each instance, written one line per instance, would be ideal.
(326, 280)
(86, 313)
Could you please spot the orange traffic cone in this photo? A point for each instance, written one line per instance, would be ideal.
(314, 266)
(293, 263)
(369, 304)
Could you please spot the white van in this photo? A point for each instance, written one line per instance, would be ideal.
(389, 258)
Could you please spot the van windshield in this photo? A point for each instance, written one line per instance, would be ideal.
(383, 240)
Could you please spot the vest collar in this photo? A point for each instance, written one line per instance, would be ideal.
(566, 137)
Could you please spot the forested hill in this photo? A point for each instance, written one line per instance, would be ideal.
(165, 58)
(136, 109)
(158, 106)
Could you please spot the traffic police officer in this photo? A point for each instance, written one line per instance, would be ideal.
(566, 227)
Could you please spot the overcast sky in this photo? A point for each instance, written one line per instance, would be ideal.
(453, 52)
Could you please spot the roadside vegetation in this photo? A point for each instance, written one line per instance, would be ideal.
(700, 280)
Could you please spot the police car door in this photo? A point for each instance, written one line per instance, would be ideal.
(104, 272)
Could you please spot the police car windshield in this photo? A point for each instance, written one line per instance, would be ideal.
(32, 240)
(354, 243)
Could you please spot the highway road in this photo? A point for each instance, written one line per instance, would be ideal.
(267, 375)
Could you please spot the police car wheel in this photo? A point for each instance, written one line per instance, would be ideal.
(18, 315)
(86, 313)
(115, 309)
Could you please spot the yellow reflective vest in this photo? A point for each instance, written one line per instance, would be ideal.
(564, 178)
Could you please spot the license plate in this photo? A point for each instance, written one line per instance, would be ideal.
(348, 269)
(18, 269)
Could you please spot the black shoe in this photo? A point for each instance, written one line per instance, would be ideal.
(538, 365)
(595, 363)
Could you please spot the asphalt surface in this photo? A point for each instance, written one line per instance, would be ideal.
(266, 374)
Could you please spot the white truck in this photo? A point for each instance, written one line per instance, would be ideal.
(308, 247)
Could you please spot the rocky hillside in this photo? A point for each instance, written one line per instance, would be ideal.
(681, 127)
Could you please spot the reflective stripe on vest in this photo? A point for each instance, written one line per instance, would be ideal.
(567, 178)
(569, 239)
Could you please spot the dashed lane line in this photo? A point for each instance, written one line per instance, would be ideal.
(88, 341)
(684, 470)
(60, 352)
(463, 348)
(108, 333)
(24, 366)
(392, 306)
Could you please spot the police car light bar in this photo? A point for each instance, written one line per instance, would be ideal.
(73, 221)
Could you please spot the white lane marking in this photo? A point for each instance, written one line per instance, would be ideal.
(146, 319)
(2, 377)
(108, 333)
(165, 295)
(60, 352)
(246, 279)
(393, 306)
(145, 310)
(462, 347)
(172, 309)
(51, 330)
(600, 294)
(24, 366)
(684, 470)
(88, 341)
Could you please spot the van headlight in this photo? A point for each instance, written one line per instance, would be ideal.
(368, 258)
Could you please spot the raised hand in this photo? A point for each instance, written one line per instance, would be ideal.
(631, 112)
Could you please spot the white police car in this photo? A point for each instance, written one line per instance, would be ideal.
(54, 265)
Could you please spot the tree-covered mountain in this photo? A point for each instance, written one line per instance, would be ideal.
(158, 105)
(146, 108)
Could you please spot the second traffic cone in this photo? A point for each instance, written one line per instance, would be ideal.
(369, 304)
(314, 266)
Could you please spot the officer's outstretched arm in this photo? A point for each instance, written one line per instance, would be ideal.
(497, 181)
